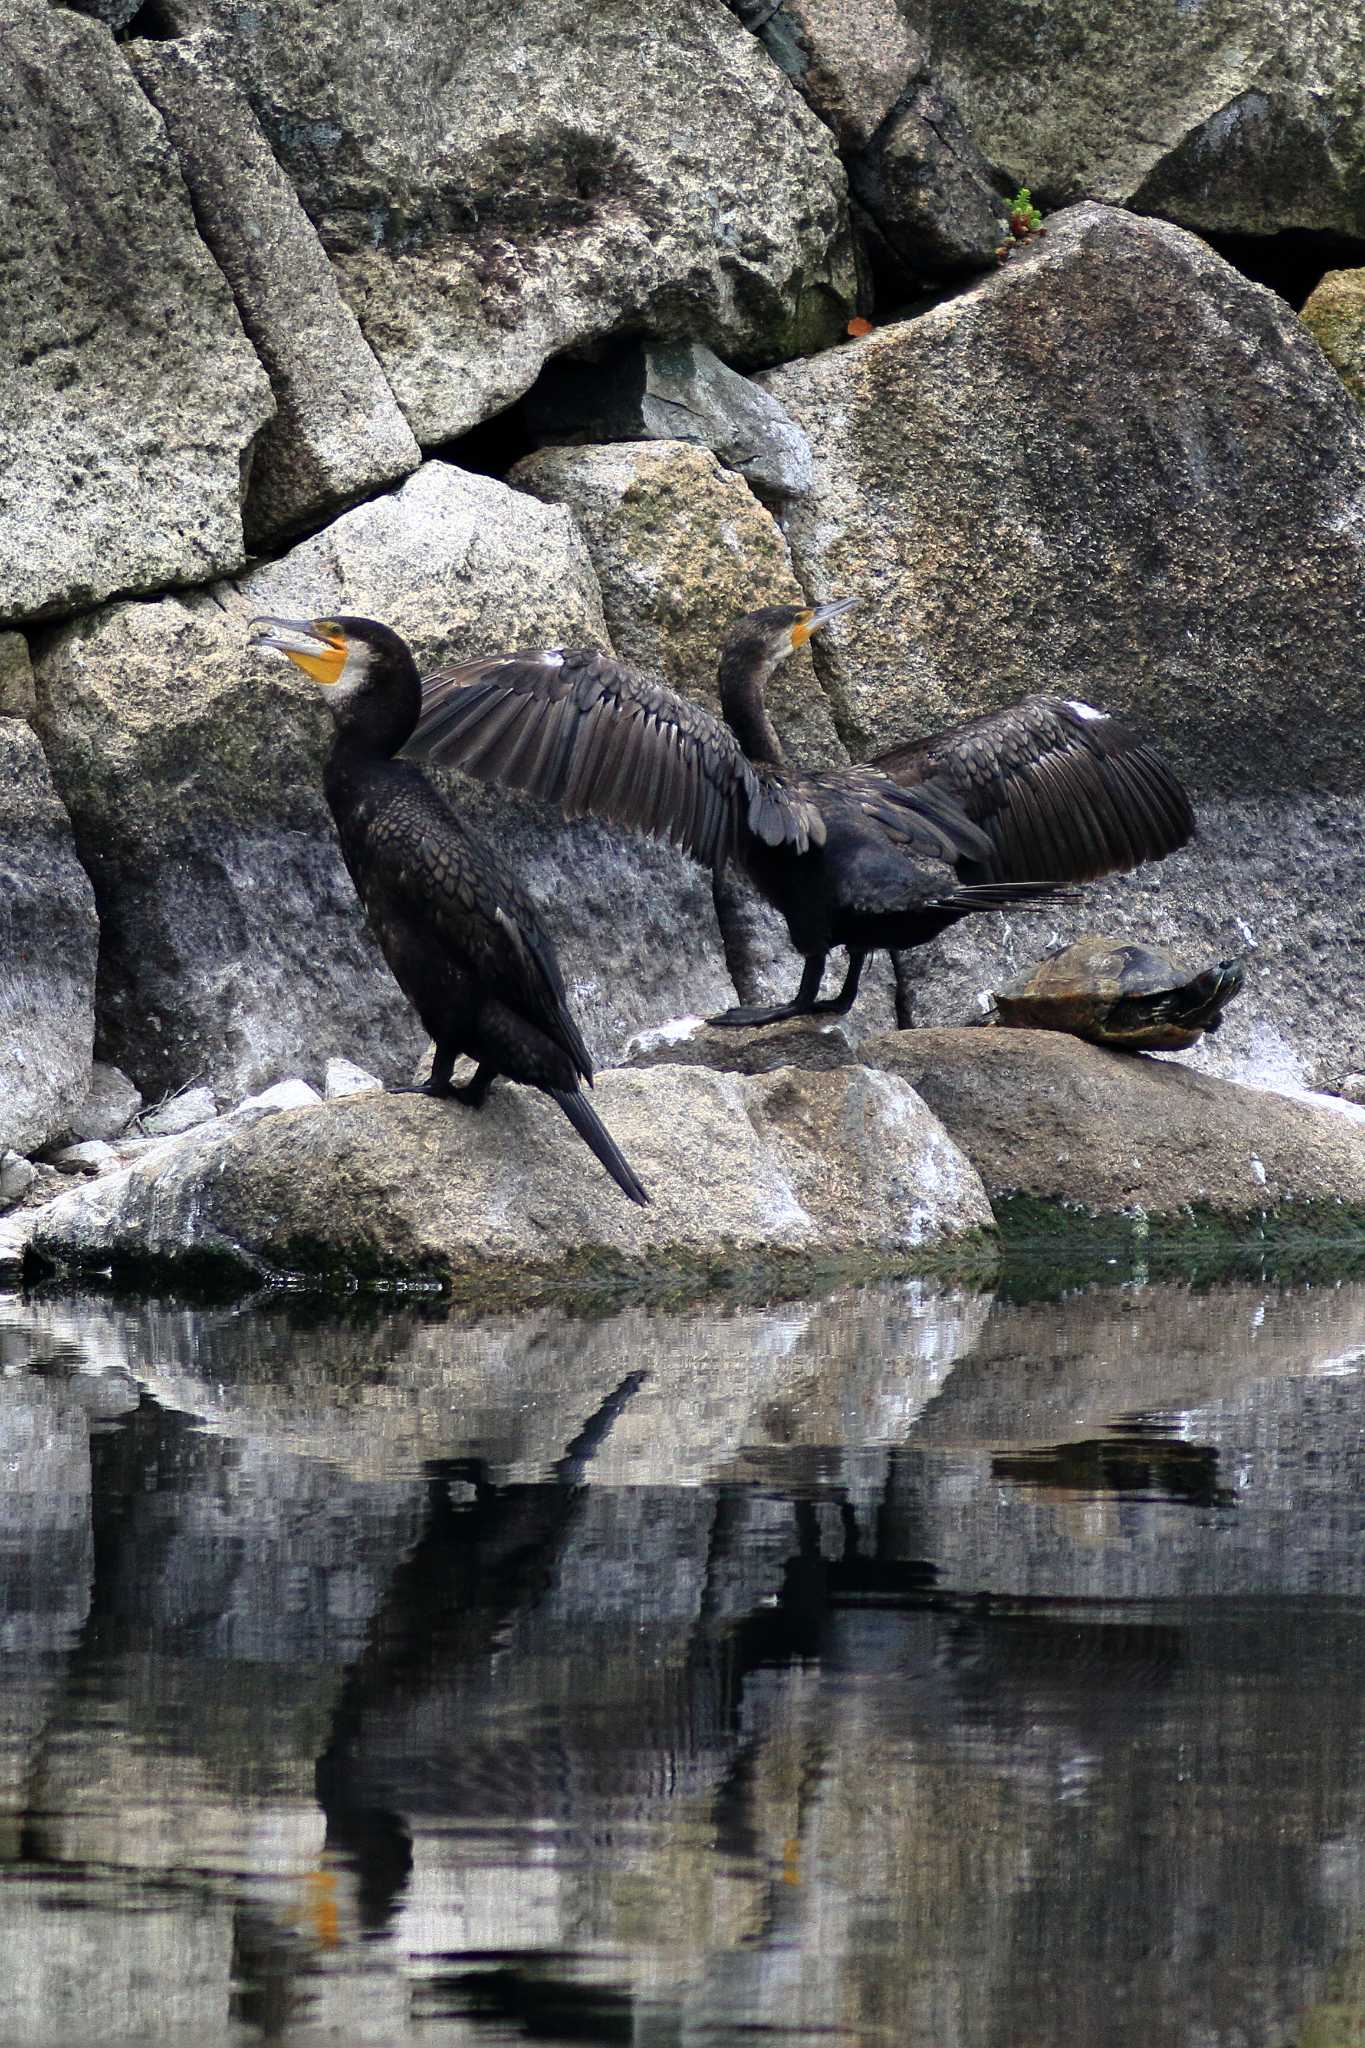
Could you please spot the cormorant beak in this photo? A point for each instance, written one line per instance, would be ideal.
(819, 615)
(316, 646)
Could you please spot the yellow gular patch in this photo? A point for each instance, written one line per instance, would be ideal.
(323, 668)
(801, 630)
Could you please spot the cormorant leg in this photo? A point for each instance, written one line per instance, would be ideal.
(801, 1005)
(437, 1082)
(474, 1091)
(840, 1005)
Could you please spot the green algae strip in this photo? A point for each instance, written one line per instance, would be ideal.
(594, 1279)
(1048, 1247)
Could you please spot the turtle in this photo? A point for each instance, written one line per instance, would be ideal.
(1119, 994)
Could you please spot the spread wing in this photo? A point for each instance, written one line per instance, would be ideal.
(1063, 792)
(586, 733)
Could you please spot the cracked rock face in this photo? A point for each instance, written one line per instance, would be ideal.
(849, 59)
(929, 189)
(131, 396)
(48, 941)
(492, 192)
(337, 432)
(1232, 117)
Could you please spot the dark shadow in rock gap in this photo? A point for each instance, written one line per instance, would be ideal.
(1292, 264)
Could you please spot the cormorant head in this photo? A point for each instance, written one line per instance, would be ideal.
(367, 670)
(760, 640)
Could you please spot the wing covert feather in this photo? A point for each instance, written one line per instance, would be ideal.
(587, 733)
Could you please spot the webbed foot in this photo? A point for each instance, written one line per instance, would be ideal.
(745, 1013)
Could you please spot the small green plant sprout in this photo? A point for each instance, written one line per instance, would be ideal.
(1025, 222)
(1025, 218)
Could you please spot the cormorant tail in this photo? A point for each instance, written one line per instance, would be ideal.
(1010, 895)
(598, 1138)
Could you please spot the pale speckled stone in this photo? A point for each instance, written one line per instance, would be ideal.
(737, 1168)
(181, 1113)
(1172, 532)
(344, 1077)
(131, 395)
(1230, 116)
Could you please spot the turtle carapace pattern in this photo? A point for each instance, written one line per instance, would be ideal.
(463, 942)
(1118, 993)
(856, 857)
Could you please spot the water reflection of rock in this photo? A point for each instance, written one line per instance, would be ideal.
(598, 1661)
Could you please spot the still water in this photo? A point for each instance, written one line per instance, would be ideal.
(899, 1666)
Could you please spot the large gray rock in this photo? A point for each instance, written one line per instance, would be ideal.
(131, 394)
(849, 59)
(931, 192)
(1242, 117)
(674, 391)
(1170, 530)
(1042, 1113)
(337, 432)
(234, 950)
(48, 942)
(488, 202)
(802, 1164)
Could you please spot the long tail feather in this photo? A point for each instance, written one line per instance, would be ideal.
(595, 1134)
(1011, 895)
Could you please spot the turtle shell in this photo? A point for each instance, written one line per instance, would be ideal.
(1120, 994)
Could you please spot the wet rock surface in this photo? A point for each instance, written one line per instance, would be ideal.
(786, 1163)
(48, 942)
(487, 205)
(131, 395)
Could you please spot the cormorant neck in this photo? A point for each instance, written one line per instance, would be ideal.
(742, 676)
(375, 718)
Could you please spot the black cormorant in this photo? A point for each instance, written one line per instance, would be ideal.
(996, 812)
(465, 945)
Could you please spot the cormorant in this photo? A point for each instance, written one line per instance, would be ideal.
(996, 812)
(463, 942)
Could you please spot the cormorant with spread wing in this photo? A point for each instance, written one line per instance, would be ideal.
(463, 942)
(997, 812)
